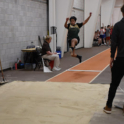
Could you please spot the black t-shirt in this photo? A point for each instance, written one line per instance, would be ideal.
(45, 48)
(79, 25)
(73, 30)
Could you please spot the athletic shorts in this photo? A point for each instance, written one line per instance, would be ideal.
(104, 35)
(101, 36)
(107, 38)
(95, 39)
(69, 41)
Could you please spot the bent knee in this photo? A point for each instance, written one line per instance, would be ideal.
(74, 40)
(73, 55)
(56, 55)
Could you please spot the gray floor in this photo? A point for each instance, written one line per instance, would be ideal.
(66, 63)
(117, 116)
(105, 78)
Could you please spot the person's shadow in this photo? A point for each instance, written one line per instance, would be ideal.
(1, 84)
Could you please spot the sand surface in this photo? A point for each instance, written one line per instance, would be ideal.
(50, 103)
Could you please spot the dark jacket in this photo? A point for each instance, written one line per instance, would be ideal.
(118, 39)
(45, 48)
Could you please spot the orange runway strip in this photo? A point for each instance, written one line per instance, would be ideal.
(82, 77)
(98, 62)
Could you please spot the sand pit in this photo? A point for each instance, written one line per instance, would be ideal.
(50, 103)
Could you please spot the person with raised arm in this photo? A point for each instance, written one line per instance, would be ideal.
(73, 31)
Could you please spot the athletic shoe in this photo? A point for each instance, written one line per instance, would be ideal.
(70, 50)
(56, 69)
(80, 59)
(104, 43)
(107, 110)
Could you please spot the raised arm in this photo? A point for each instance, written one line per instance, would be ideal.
(66, 25)
(87, 19)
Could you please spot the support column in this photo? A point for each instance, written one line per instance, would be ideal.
(52, 22)
(98, 25)
(89, 29)
(107, 8)
(63, 10)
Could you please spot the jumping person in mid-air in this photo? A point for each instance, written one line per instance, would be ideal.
(73, 31)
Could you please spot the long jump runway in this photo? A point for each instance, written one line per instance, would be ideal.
(86, 71)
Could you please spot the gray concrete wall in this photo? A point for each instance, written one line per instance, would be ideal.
(21, 21)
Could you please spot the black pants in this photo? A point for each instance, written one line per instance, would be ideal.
(102, 37)
(117, 74)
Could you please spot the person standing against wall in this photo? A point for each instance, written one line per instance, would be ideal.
(108, 35)
(117, 66)
(102, 32)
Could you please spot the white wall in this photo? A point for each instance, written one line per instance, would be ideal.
(78, 11)
(98, 25)
(79, 4)
(116, 15)
(107, 8)
(52, 22)
(90, 6)
(63, 10)
(119, 3)
(120, 16)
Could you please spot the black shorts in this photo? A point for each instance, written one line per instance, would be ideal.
(69, 41)
(95, 39)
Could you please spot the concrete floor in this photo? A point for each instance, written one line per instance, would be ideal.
(117, 116)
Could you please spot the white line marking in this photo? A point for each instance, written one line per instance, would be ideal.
(99, 73)
(85, 70)
(77, 64)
